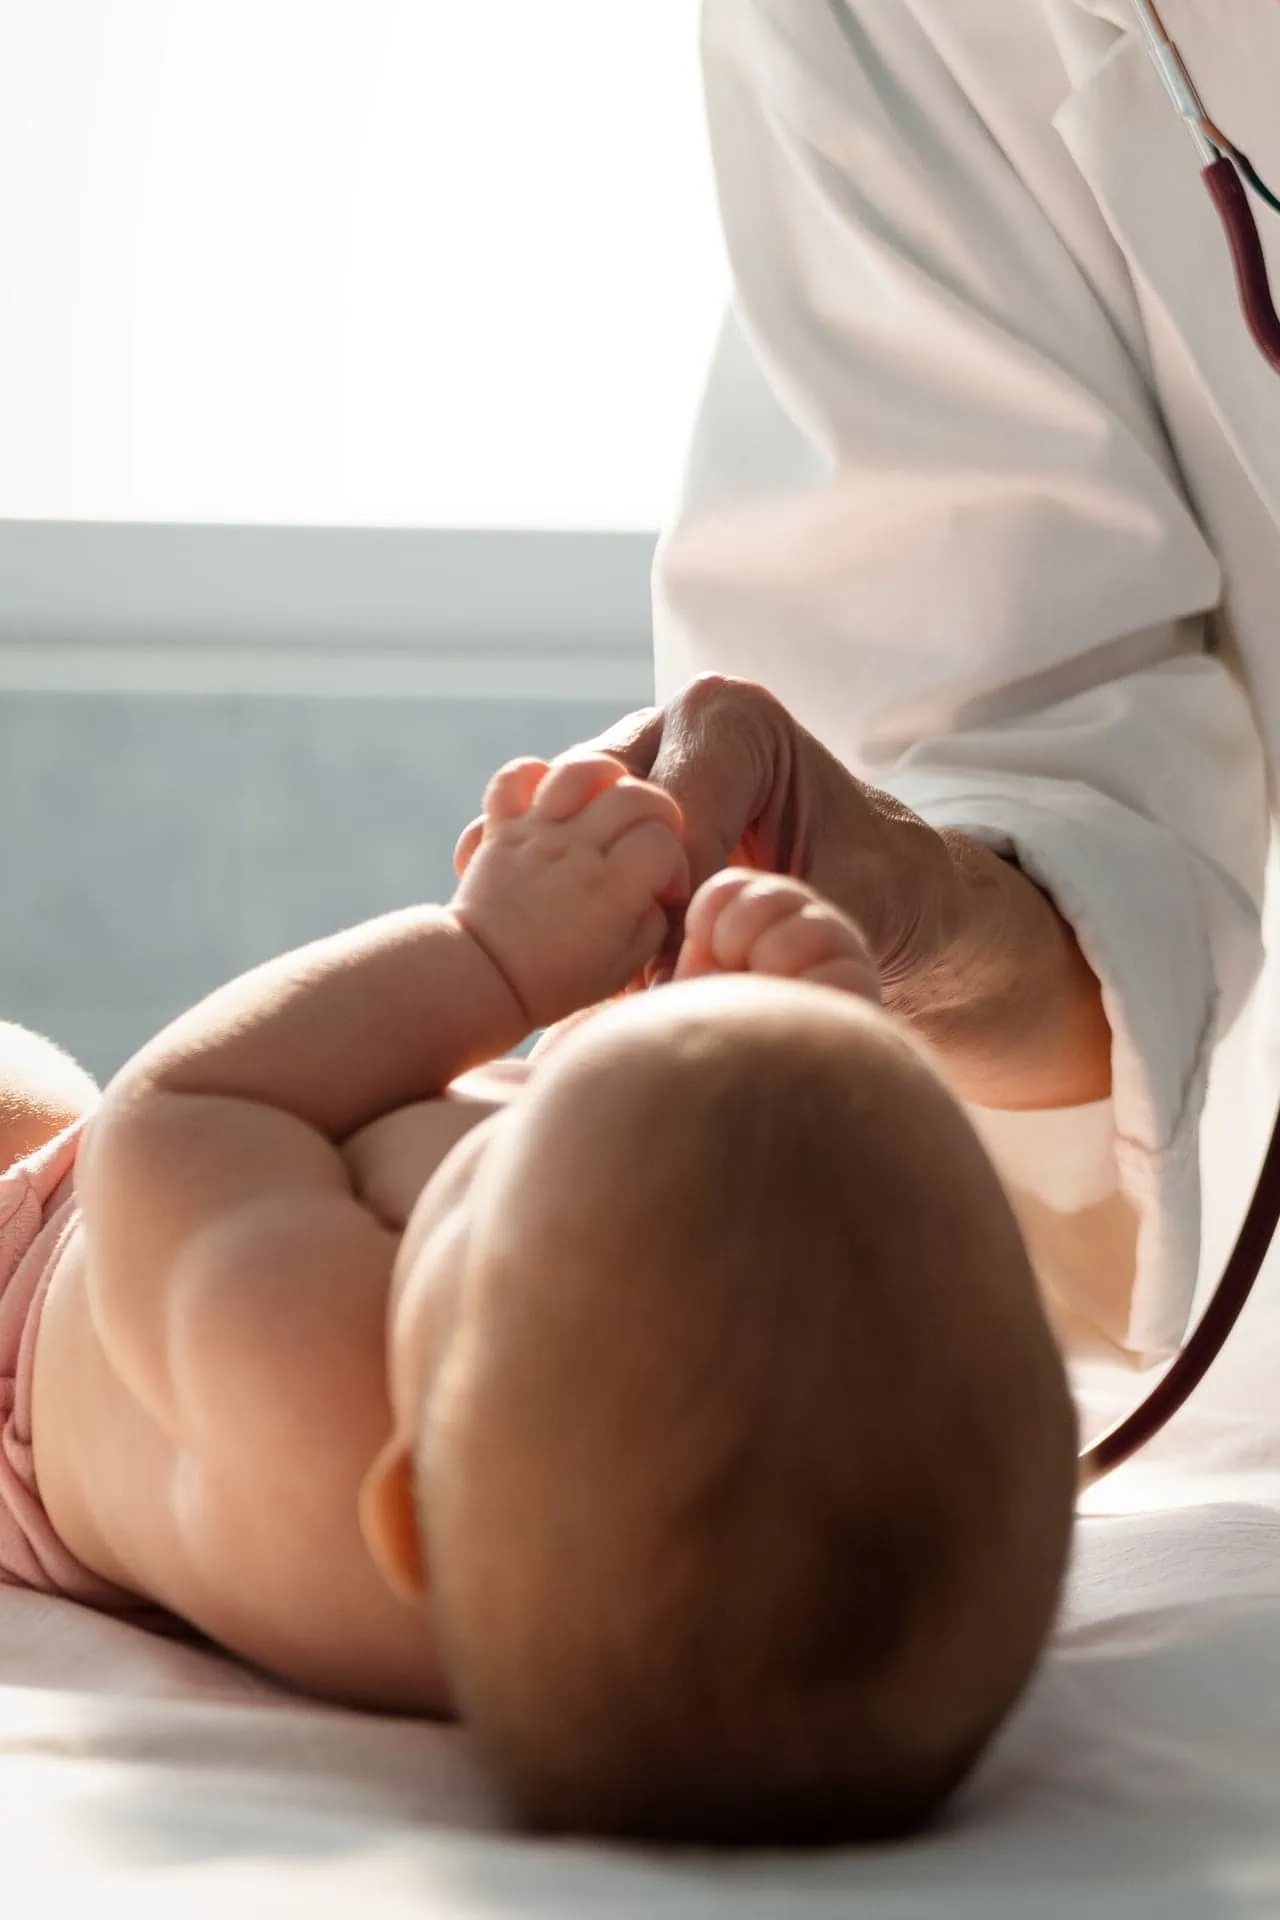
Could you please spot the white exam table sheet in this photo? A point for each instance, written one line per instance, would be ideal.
(1141, 1775)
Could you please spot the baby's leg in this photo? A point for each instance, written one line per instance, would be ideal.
(42, 1090)
(745, 922)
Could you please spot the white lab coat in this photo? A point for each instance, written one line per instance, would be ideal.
(986, 487)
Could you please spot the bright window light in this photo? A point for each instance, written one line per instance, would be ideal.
(351, 262)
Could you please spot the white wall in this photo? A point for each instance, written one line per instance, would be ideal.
(350, 262)
(347, 347)
(467, 614)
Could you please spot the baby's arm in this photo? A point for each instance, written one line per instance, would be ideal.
(211, 1369)
(232, 1280)
(341, 1031)
(211, 1179)
(223, 1232)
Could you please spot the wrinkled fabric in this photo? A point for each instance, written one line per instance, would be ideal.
(985, 487)
(37, 1211)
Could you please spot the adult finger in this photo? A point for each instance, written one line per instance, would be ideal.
(847, 974)
(720, 757)
(634, 740)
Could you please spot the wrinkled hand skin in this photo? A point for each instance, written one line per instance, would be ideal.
(757, 789)
(966, 947)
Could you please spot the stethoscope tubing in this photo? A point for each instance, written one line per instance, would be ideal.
(1204, 1344)
(1221, 164)
(1254, 286)
(1209, 1336)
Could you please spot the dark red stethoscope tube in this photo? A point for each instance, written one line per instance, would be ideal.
(1211, 1330)
(1250, 263)
(1260, 1222)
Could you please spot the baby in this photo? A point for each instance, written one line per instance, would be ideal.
(678, 1409)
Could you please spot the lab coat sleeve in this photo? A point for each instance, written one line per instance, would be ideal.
(930, 502)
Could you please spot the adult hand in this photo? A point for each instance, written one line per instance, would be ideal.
(757, 789)
(966, 947)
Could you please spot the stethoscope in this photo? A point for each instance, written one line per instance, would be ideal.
(1222, 165)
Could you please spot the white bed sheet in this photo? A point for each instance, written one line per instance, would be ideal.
(1141, 1775)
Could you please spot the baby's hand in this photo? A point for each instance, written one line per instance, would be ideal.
(567, 884)
(745, 922)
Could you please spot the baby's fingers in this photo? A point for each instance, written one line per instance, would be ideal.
(628, 803)
(511, 791)
(648, 862)
(573, 783)
(743, 922)
(507, 797)
(646, 941)
(468, 846)
(733, 910)
(814, 944)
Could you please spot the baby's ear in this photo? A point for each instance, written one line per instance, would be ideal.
(389, 1521)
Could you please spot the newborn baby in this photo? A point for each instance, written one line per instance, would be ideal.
(678, 1409)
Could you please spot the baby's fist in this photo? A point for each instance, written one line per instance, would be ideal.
(745, 922)
(568, 884)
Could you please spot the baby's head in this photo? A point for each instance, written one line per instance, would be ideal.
(744, 1459)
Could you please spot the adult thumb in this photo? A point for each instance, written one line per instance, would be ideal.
(717, 757)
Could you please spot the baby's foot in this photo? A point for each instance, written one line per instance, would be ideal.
(745, 922)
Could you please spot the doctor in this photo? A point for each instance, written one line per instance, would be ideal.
(985, 491)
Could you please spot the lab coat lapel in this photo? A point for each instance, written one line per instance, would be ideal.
(1134, 152)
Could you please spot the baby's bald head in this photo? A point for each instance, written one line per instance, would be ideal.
(747, 1483)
